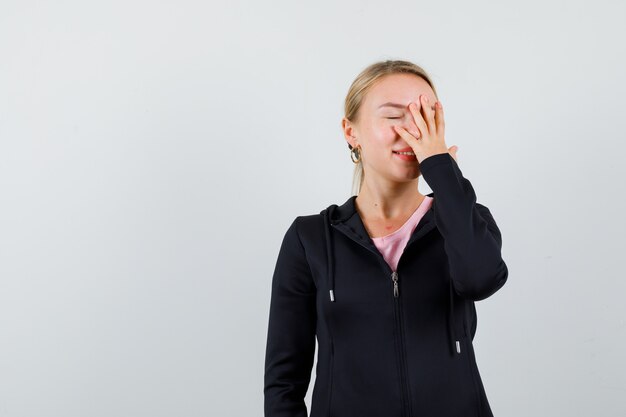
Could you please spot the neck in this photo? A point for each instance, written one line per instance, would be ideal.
(376, 201)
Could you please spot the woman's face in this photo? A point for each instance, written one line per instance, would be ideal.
(385, 105)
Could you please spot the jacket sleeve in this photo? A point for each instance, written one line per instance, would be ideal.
(472, 239)
(291, 332)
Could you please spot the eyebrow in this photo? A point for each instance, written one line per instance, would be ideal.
(390, 104)
(398, 105)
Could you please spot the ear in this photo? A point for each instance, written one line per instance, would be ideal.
(349, 132)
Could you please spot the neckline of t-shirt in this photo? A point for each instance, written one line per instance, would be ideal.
(396, 234)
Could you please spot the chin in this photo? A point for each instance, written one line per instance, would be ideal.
(408, 177)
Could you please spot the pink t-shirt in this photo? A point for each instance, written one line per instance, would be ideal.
(392, 245)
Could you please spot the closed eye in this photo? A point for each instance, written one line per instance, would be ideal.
(393, 117)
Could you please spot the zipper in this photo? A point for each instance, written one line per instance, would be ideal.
(397, 310)
(406, 400)
(394, 278)
(403, 363)
(417, 234)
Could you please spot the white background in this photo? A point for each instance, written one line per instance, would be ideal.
(153, 154)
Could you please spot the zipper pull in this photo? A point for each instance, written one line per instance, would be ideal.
(394, 277)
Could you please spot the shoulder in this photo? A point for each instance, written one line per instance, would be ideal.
(311, 227)
(307, 221)
(307, 226)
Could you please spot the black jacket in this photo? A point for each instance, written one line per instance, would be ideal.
(390, 343)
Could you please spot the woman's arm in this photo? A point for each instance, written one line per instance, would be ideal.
(291, 331)
(473, 241)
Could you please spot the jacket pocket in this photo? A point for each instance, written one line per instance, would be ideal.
(330, 379)
(469, 356)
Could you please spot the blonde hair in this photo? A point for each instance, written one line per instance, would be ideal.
(359, 88)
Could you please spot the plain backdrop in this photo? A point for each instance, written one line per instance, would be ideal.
(153, 154)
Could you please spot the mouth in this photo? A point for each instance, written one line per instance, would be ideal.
(405, 156)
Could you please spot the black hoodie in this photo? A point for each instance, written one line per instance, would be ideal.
(390, 343)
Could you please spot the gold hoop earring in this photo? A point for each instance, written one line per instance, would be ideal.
(355, 153)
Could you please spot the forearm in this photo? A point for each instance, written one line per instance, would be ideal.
(471, 237)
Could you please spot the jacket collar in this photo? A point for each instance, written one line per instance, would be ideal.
(346, 218)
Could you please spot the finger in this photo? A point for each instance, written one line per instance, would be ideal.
(427, 109)
(419, 120)
(452, 150)
(410, 139)
(440, 124)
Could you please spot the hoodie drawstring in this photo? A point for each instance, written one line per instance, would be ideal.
(451, 325)
(329, 257)
(454, 342)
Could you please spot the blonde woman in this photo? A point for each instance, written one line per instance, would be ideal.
(387, 281)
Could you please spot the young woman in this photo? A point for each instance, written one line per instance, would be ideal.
(386, 281)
